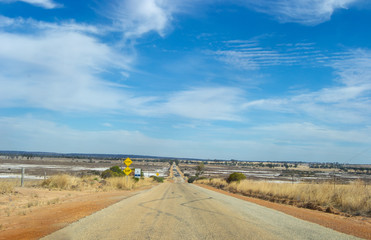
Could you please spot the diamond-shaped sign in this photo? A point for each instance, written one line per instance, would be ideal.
(157, 174)
(127, 170)
(127, 162)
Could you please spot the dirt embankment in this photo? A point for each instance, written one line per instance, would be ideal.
(33, 213)
(356, 226)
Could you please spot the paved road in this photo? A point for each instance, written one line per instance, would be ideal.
(184, 211)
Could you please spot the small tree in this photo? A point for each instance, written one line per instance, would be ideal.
(236, 177)
(200, 168)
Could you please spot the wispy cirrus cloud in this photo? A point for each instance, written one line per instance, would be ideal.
(307, 12)
(47, 4)
(253, 55)
(22, 25)
(307, 133)
(347, 102)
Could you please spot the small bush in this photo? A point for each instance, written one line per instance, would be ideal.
(121, 183)
(114, 171)
(236, 177)
(192, 179)
(62, 181)
(108, 173)
(158, 179)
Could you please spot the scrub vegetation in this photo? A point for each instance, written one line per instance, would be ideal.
(352, 199)
(68, 182)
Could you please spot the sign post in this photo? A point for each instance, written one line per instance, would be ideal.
(127, 170)
(137, 173)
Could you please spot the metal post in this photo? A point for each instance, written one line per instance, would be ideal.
(22, 177)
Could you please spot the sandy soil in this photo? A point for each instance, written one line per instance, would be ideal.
(33, 213)
(356, 226)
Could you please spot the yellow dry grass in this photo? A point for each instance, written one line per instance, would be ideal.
(126, 183)
(7, 186)
(354, 198)
(94, 183)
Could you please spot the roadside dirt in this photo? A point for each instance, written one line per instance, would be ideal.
(356, 226)
(33, 213)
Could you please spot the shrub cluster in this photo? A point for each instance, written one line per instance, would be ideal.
(158, 179)
(236, 177)
(192, 179)
(114, 171)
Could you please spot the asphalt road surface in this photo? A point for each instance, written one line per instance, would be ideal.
(184, 211)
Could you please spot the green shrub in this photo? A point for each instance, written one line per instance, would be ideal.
(192, 179)
(236, 177)
(158, 179)
(116, 169)
(109, 173)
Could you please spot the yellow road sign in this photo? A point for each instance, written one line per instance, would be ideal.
(157, 174)
(127, 162)
(127, 170)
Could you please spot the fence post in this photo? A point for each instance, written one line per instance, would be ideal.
(22, 178)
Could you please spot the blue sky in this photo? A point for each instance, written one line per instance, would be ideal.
(269, 80)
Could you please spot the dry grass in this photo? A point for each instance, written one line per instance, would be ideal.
(7, 186)
(85, 183)
(63, 182)
(354, 198)
(125, 183)
(95, 183)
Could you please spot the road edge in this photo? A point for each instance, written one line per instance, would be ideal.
(354, 226)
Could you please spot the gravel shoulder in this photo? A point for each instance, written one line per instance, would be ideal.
(356, 226)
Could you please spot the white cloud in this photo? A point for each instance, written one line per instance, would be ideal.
(47, 4)
(136, 18)
(58, 68)
(216, 103)
(22, 25)
(307, 133)
(346, 102)
(32, 134)
(308, 12)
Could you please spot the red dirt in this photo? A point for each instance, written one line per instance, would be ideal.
(47, 219)
(44, 220)
(356, 226)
